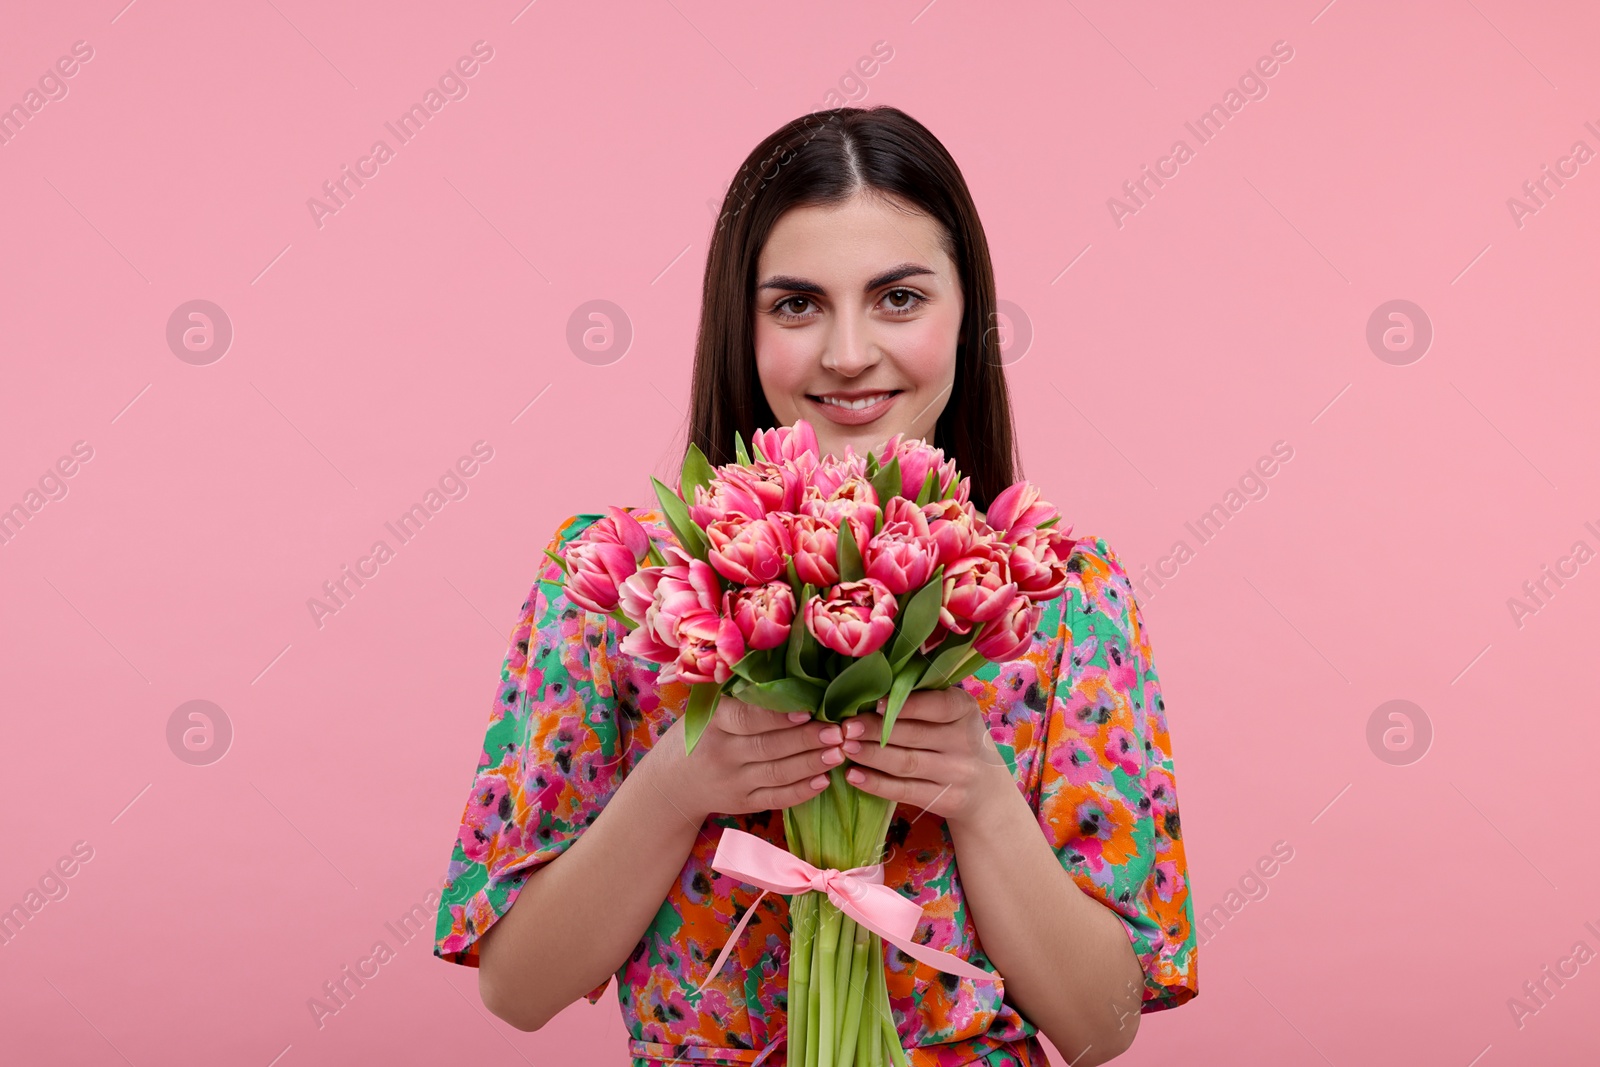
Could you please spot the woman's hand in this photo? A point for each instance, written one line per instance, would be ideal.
(939, 758)
(748, 759)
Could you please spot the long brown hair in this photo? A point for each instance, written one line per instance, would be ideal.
(824, 158)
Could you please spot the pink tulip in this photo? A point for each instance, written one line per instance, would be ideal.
(748, 552)
(594, 570)
(638, 592)
(604, 555)
(619, 527)
(786, 442)
(724, 498)
(834, 471)
(954, 527)
(977, 588)
(1038, 561)
(855, 489)
(852, 618)
(645, 641)
(778, 486)
(763, 613)
(1019, 505)
(1010, 633)
(685, 587)
(855, 502)
(901, 555)
(917, 458)
(709, 646)
(816, 550)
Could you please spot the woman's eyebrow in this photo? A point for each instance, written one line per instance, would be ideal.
(801, 285)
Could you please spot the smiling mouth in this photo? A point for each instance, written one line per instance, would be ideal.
(855, 405)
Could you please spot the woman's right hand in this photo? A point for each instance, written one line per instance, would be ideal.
(749, 759)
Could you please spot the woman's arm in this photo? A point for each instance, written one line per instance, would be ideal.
(1067, 961)
(581, 914)
(591, 904)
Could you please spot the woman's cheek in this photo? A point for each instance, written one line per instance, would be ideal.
(928, 355)
(781, 365)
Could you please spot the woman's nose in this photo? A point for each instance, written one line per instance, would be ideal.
(850, 349)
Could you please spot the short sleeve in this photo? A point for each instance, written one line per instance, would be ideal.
(1107, 792)
(552, 757)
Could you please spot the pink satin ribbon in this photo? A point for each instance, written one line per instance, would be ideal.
(858, 892)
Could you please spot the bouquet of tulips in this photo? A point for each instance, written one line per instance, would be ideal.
(802, 582)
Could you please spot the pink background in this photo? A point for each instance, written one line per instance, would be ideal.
(1168, 354)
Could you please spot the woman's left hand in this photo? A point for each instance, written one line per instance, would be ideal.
(939, 758)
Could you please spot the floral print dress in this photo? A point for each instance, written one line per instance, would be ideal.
(1079, 718)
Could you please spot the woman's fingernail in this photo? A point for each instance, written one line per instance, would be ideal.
(799, 716)
(856, 777)
(883, 705)
(832, 755)
(819, 782)
(830, 735)
(852, 746)
(854, 728)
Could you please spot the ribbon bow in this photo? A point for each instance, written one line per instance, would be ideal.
(858, 892)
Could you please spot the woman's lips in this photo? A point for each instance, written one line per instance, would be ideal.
(852, 416)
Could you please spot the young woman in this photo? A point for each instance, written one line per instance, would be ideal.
(848, 284)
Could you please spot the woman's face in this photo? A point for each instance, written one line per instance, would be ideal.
(857, 301)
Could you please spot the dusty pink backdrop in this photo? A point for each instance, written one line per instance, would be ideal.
(1172, 347)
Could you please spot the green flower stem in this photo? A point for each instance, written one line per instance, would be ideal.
(842, 973)
(839, 1013)
(828, 944)
(799, 959)
(859, 991)
(871, 1041)
(814, 1003)
(799, 976)
(812, 819)
(847, 799)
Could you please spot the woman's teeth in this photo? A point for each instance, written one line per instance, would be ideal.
(854, 405)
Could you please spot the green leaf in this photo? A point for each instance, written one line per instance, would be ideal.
(755, 448)
(1046, 524)
(918, 618)
(947, 663)
(623, 619)
(850, 569)
(888, 482)
(905, 680)
(865, 680)
(929, 485)
(559, 559)
(739, 452)
(872, 465)
(697, 716)
(781, 694)
(760, 665)
(683, 527)
(973, 663)
(696, 472)
(794, 658)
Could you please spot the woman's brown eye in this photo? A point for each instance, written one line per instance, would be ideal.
(913, 300)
